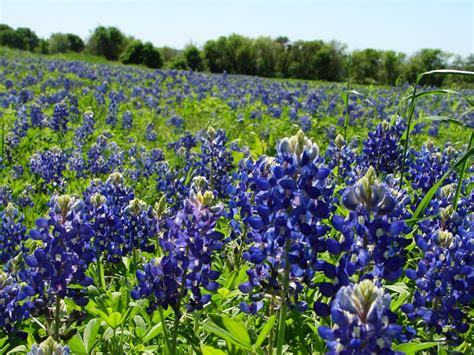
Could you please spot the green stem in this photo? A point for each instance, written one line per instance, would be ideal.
(284, 306)
(270, 337)
(100, 273)
(3, 136)
(238, 257)
(407, 138)
(134, 260)
(57, 318)
(177, 312)
(461, 175)
(346, 117)
(165, 329)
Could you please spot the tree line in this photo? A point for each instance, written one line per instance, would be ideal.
(262, 56)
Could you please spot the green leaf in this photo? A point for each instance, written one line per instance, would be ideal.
(397, 302)
(209, 350)
(398, 287)
(431, 192)
(139, 322)
(266, 329)
(18, 349)
(153, 332)
(412, 348)
(90, 334)
(224, 334)
(237, 328)
(77, 345)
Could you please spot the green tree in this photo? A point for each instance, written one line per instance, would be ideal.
(21, 38)
(214, 53)
(392, 66)
(29, 38)
(366, 66)
(133, 54)
(425, 60)
(108, 42)
(76, 44)
(59, 43)
(266, 52)
(151, 56)
(193, 58)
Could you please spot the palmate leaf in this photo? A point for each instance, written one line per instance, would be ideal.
(226, 335)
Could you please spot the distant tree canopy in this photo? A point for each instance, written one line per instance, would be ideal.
(139, 53)
(193, 58)
(107, 42)
(65, 42)
(21, 38)
(262, 56)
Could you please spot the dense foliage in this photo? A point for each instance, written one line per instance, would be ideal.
(149, 211)
(262, 56)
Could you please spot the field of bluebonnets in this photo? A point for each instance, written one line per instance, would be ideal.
(148, 211)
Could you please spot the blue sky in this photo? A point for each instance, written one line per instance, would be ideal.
(404, 25)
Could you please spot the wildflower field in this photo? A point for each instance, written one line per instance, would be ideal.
(171, 212)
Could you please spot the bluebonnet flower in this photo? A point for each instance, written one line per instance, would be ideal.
(17, 171)
(60, 118)
(5, 195)
(188, 245)
(49, 347)
(369, 195)
(363, 322)
(18, 131)
(429, 164)
(139, 227)
(112, 112)
(215, 160)
(13, 233)
(14, 301)
(444, 275)
(37, 118)
(104, 157)
(85, 130)
(371, 240)
(186, 141)
(382, 149)
(127, 119)
(65, 253)
(104, 208)
(176, 121)
(305, 123)
(342, 156)
(49, 165)
(283, 222)
(150, 133)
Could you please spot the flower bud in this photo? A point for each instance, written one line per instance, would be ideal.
(444, 238)
(340, 141)
(116, 179)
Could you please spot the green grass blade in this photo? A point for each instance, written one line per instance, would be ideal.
(362, 96)
(462, 173)
(429, 195)
(444, 72)
(445, 119)
(440, 92)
